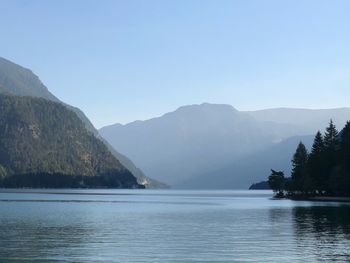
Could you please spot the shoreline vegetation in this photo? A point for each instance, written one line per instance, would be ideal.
(322, 199)
(321, 175)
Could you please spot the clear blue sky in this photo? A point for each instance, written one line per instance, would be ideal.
(124, 60)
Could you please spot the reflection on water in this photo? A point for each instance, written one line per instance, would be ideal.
(323, 221)
(324, 231)
(33, 241)
(170, 226)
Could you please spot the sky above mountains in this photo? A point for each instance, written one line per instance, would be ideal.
(124, 60)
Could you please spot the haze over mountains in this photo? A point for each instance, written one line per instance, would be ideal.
(216, 146)
(20, 81)
(302, 121)
(197, 146)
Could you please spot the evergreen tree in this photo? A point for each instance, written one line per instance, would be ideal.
(299, 171)
(276, 182)
(331, 137)
(318, 145)
(345, 147)
(340, 178)
(326, 170)
(316, 163)
(331, 145)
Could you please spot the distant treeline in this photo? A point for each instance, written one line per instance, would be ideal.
(46, 180)
(263, 185)
(325, 171)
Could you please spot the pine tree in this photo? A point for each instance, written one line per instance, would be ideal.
(318, 145)
(340, 179)
(299, 171)
(345, 146)
(326, 170)
(316, 163)
(331, 137)
(331, 145)
(276, 181)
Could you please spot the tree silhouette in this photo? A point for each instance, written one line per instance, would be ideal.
(276, 182)
(299, 171)
(316, 162)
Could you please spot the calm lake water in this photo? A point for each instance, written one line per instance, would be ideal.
(170, 226)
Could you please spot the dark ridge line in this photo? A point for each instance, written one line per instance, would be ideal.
(62, 193)
(98, 201)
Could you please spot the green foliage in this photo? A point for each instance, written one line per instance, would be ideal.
(316, 163)
(276, 182)
(299, 163)
(326, 170)
(340, 176)
(331, 146)
(331, 137)
(345, 147)
(19, 81)
(56, 180)
(38, 136)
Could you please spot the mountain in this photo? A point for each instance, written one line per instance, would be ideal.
(211, 145)
(263, 185)
(20, 81)
(44, 144)
(303, 121)
(241, 173)
(189, 141)
(17, 80)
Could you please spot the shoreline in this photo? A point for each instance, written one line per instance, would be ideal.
(321, 199)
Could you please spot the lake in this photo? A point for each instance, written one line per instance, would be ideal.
(169, 226)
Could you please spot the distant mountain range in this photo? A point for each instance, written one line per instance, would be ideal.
(251, 168)
(302, 121)
(16, 80)
(197, 146)
(216, 146)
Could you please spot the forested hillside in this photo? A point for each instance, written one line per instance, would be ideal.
(17, 80)
(43, 139)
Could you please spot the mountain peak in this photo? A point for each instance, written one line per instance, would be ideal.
(20, 81)
(207, 105)
(206, 108)
(17, 80)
